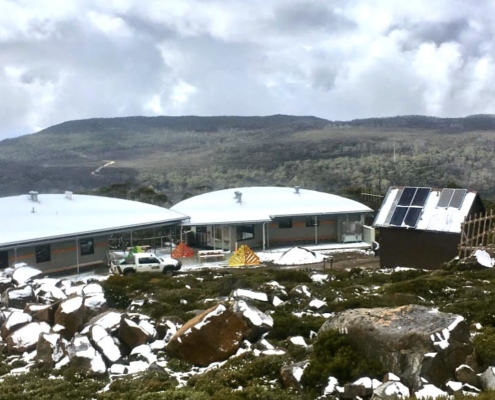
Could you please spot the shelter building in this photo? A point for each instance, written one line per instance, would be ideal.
(420, 227)
(56, 232)
(270, 216)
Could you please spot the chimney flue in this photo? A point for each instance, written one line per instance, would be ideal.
(34, 196)
(238, 197)
(296, 188)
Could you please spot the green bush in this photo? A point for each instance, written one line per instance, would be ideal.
(334, 356)
(484, 347)
(286, 324)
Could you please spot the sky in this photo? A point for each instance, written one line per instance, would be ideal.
(62, 60)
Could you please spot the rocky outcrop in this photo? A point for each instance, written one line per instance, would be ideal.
(291, 375)
(212, 336)
(410, 341)
(83, 356)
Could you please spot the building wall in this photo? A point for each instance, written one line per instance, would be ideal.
(63, 255)
(327, 231)
(416, 249)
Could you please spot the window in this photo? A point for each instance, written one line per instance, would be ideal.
(312, 221)
(245, 232)
(87, 247)
(285, 223)
(4, 259)
(42, 253)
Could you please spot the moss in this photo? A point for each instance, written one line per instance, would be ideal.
(484, 347)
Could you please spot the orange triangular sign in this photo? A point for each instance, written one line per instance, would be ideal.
(182, 251)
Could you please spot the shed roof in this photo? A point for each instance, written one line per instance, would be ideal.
(55, 216)
(262, 204)
(438, 210)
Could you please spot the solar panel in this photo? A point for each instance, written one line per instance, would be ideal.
(457, 198)
(420, 197)
(407, 196)
(445, 197)
(398, 216)
(413, 216)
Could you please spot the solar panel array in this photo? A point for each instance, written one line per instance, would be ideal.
(409, 207)
(451, 198)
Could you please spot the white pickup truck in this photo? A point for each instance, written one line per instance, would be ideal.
(145, 262)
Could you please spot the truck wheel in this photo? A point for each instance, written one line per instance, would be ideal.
(129, 272)
(168, 271)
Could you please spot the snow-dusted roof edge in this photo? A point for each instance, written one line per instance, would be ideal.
(57, 238)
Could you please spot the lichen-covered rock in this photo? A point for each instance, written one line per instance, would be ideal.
(487, 379)
(257, 321)
(50, 349)
(212, 336)
(26, 338)
(410, 341)
(70, 314)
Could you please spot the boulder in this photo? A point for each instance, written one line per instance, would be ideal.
(110, 320)
(70, 314)
(167, 327)
(50, 349)
(258, 322)
(83, 357)
(391, 390)
(461, 388)
(249, 295)
(487, 379)
(353, 391)
(290, 375)
(105, 344)
(465, 374)
(42, 312)
(18, 297)
(131, 334)
(26, 338)
(14, 321)
(24, 274)
(95, 305)
(212, 336)
(143, 353)
(5, 283)
(47, 293)
(410, 341)
(300, 292)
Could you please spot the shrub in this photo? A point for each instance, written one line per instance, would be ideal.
(484, 347)
(286, 324)
(334, 356)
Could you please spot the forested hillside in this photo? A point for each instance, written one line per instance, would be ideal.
(182, 156)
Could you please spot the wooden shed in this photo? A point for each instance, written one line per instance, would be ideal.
(420, 227)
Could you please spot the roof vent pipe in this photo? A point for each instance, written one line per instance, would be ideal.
(238, 197)
(68, 195)
(34, 196)
(296, 188)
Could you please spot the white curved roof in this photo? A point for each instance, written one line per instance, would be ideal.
(261, 204)
(55, 216)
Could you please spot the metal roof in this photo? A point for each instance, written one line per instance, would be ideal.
(57, 216)
(441, 210)
(262, 204)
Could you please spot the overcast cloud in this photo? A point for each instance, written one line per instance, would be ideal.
(67, 59)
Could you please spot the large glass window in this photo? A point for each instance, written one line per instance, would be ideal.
(245, 232)
(43, 253)
(285, 223)
(4, 259)
(87, 246)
